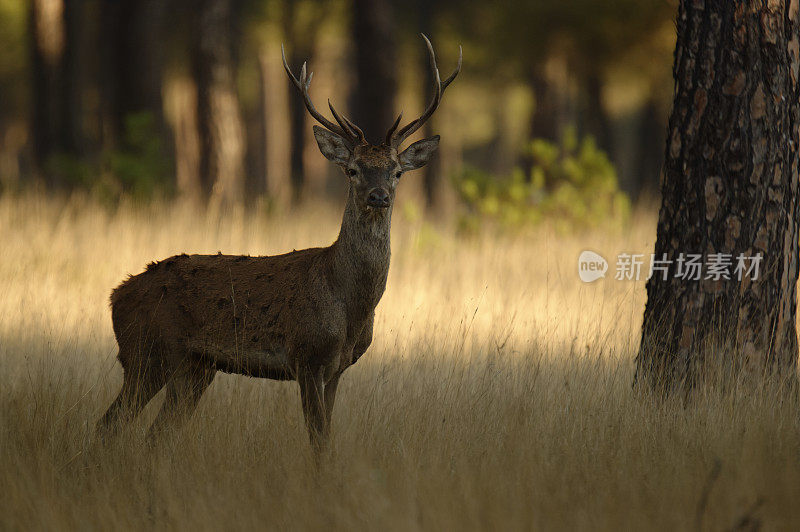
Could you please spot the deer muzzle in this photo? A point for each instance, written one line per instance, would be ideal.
(379, 198)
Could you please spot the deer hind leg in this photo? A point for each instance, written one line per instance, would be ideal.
(184, 390)
(140, 384)
(312, 395)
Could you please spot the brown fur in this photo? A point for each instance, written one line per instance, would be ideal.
(376, 156)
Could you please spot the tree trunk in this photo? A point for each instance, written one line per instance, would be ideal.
(598, 122)
(433, 186)
(47, 33)
(255, 123)
(276, 117)
(375, 61)
(548, 79)
(549, 86)
(182, 94)
(76, 82)
(138, 62)
(730, 187)
(219, 121)
(60, 80)
(649, 153)
(297, 128)
(132, 65)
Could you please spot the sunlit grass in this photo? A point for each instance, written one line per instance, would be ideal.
(496, 394)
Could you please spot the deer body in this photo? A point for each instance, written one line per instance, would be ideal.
(260, 316)
(305, 315)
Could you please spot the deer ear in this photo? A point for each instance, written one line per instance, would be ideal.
(418, 154)
(332, 146)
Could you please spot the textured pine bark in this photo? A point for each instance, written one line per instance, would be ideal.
(730, 186)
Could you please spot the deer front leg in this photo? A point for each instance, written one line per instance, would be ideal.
(312, 395)
(329, 400)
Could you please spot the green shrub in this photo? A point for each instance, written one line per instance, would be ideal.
(137, 167)
(72, 171)
(140, 164)
(573, 185)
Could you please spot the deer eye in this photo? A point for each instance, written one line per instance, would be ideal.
(352, 172)
(398, 174)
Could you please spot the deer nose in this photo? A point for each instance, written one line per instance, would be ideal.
(378, 197)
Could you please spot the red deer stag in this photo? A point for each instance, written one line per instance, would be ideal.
(305, 315)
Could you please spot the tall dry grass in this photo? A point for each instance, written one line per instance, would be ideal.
(497, 394)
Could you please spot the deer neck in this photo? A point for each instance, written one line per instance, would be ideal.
(361, 255)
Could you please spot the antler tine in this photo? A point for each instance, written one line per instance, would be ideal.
(390, 133)
(302, 86)
(398, 137)
(455, 73)
(338, 119)
(348, 125)
(356, 129)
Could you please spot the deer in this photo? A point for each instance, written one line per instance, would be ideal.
(304, 316)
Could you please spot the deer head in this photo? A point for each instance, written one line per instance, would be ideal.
(373, 170)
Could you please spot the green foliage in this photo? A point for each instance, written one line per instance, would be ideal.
(75, 172)
(573, 185)
(13, 55)
(593, 33)
(138, 168)
(140, 164)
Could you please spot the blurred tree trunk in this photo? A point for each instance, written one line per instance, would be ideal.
(730, 187)
(649, 153)
(546, 117)
(276, 116)
(131, 40)
(255, 120)
(219, 120)
(183, 95)
(47, 33)
(300, 39)
(297, 121)
(110, 29)
(253, 109)
(433, 186)
(547, 81)
(60, 81)
(76, 77)
(373, 99)
(320, 178)
(597, 121)
(131, 64)
(138, 62)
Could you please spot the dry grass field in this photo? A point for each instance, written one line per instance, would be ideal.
(496, 395)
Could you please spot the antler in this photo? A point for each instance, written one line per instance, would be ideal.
(346, 129)
(394, 137)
